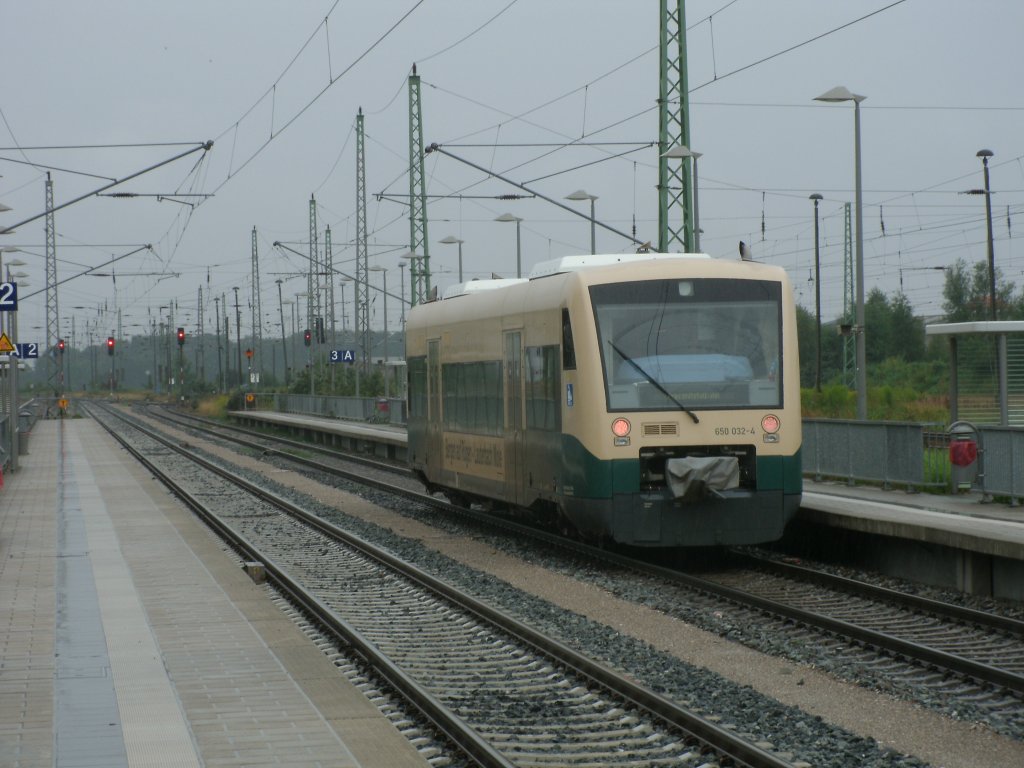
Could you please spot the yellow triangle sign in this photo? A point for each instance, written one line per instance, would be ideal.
(5, 343)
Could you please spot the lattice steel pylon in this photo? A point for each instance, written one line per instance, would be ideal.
(419, 270)
(329, 297)
(55, 361)
(675, 208)
(362, 260)
(313, 300)
(257, 311)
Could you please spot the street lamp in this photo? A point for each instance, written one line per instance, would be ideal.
(3, 250)
(581, 194)
(379, 268)
(309, 350)
(284, 338)
(817, 295)
(680, 151)
(12, 366)
(344, 320)
(840, 94)
(452, 240)
(519, 255)
(985, 154)
(401, 286)
(412, 257)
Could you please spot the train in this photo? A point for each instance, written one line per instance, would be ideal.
(647, 399)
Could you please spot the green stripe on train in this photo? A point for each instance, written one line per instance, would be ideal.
(590, 477)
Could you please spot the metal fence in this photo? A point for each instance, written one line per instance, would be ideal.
(1001, 464)
(914, 455)
(373, 409)
(886, 452)
(28, 414)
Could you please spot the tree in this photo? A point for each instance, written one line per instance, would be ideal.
(877, 326)
(893, 331)
(967, 294)
(806, 334)
(907, 331)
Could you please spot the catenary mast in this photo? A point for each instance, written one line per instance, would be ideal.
(419, 271)
(362, 261)
(675, 210)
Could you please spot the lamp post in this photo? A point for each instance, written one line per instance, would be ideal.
(238, 334)
(12, 367)
(284, 338)
(384, 270)
(309, 354)
(290, 303)
(3, 250)
(452, 240)
(817, 296)
(581, 194)
(840, 94)
(412, 257)
(344, 321)
(680, 151)
(401, 286)
(985, 154)
(519, 254)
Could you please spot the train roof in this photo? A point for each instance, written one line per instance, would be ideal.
(561, 265)
(577, 263)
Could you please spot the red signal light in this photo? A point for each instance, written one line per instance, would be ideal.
(60, 345)
(307, 337)
(181, 336)
(110, 345)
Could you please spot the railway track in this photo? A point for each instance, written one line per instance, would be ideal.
(957, 654)
(504, 693)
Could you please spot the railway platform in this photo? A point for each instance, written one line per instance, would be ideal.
(955, 541)
(129, 637)
(383, 440)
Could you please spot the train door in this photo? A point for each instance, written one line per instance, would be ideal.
(514, 414)
(434, 416)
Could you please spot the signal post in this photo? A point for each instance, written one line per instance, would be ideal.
(181, 362)
(110, 351)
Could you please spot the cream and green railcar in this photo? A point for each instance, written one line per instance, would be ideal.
(648, 399)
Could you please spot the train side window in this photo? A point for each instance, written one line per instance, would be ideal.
(417, 372)
(568, 348)
(543, 386)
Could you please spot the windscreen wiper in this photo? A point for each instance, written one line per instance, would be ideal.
(655, 383)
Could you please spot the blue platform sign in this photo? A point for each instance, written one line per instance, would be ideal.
(27, 351)
(343, 355)
(8, 297)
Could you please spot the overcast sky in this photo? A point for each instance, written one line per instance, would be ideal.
(277, 89)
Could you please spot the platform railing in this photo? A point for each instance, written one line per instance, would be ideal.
(1003, 451)
(885, 452)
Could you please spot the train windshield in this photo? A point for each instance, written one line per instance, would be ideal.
(690, 344)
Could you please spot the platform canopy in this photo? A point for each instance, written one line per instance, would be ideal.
(986, 374)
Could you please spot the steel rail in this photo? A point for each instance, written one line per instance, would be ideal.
(916, 602)
(447, 722)
(719, 739)
(869, 637)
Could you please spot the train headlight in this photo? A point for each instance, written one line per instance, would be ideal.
(620, 427)
(771, 424)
